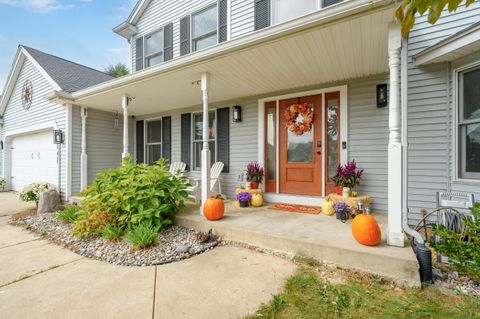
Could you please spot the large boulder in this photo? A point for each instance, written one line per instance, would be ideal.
(49, 201)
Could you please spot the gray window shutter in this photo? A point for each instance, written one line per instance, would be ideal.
(185, 35)
(223, 137)
(186, 139)
(222, 20)
(139, 54)
(167, 138)
(168, 42)
(262, 14)
(140, 142)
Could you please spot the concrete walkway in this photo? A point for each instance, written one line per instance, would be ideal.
(10, 204)
(41, 280)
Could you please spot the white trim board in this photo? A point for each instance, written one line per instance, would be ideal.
(343, 89)
(293, 199)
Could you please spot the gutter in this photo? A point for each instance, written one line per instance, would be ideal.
(318, 18)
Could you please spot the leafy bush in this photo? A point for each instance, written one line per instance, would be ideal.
(68, 214)
(143, 235)
(132, 194)
(462, 249)
(111, 232)
(31, 192)
(2, 182)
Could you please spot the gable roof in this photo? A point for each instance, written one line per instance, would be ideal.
(69, 76)
(63, 75)
(127, 29)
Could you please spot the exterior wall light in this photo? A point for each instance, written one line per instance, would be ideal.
(382, 95)
(237, 114)
(57, 137)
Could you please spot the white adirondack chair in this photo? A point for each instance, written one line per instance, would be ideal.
(177, 168)
(215, 179)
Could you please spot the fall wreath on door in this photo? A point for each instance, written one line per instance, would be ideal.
(299, 118)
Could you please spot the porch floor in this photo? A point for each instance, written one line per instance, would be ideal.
(319, 236)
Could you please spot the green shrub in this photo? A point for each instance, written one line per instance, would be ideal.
(111, 232)
(143, 235)
(132, 194)
(68, 214)
(463, 249)
(31, 192)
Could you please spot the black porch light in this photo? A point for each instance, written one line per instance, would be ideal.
(57, 137)
(382, 95)
(237, 113)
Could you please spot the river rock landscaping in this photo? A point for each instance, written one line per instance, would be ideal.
(174, 243)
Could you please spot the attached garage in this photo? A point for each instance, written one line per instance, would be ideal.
(33, 159)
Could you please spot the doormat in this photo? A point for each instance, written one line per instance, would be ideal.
(302, 209)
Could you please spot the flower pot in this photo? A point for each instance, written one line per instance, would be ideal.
(346, 192)
(342, 216)
(243, 204)
(339, 190)
(254, 185)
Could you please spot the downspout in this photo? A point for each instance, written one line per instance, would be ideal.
(404, 139)
(423, 253)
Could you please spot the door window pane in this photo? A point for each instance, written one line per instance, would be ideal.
(471, 95)
(271, 118)
(154, 131)
(300, 147)
(288, 9)
(332, 136)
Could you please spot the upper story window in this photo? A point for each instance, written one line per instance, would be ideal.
(284, 10)
(154, 48)
(469, 123)
(205, 28)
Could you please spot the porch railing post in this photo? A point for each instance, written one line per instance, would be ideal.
(395, 235)
(84, 156)
(125, 126)
(205, 82)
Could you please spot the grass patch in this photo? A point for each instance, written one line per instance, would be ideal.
(307, 295)
(111, 232)
(68, 214)
(143, 235)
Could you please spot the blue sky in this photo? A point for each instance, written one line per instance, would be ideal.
(77, 30)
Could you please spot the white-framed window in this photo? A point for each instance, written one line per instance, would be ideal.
(197, 139)
(284, 10)
(153, 140)
(153, 45)
(468, 124)
(205, 27)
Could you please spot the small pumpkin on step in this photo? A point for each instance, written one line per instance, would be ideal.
(214, 208)
(365, 230)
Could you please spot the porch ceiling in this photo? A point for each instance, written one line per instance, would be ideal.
(340, 50)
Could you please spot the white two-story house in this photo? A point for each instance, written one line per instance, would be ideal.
(213, 80)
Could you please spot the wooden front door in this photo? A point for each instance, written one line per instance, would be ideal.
(300, 160)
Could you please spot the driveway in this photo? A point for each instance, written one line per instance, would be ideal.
(41, 280)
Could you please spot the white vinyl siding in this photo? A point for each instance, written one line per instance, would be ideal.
(41, 112)
(242, 17)
(431, 148)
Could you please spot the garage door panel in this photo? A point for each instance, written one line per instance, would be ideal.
(34, 159)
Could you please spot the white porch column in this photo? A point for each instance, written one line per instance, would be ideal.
(125, 126)
(83, 156)
(395, 235)
(205, 149)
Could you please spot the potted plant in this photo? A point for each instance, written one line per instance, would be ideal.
(342, 211)
(348, 176)
(2, 184)
(244, 198)
(254, 174)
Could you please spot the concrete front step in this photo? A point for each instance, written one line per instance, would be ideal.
(318, 236)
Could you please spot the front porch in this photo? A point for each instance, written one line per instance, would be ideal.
(318, 236)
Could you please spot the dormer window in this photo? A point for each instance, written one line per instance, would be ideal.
(205, 28)
(154, 48)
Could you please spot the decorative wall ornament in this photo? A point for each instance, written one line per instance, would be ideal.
(299, 118)
(27, 94)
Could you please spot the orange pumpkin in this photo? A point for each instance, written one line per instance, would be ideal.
(366, 231)
(214, 208)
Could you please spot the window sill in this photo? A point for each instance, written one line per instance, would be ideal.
(465, 181)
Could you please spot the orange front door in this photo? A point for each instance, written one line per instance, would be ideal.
(300, 159)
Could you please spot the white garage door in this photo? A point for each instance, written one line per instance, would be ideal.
(34, 159)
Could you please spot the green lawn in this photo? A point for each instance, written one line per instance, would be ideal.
(308, 294)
